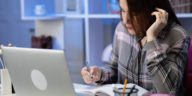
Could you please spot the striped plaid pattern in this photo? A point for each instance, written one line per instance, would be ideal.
(158, 66)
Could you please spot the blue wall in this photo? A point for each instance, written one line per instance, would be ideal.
(12, 28)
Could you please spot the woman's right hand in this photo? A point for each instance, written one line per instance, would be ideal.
(91, 75)
(160, 22)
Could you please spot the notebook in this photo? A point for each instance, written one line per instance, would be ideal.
(108, 89)
(38, 72)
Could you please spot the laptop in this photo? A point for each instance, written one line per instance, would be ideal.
(38, 72)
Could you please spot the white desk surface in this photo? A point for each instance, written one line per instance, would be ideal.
(80, 87)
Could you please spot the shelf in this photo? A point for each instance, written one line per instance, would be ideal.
(55, 9)
(48, 17)
(95, 16)
(104, 16)
(75, 16)
(184, 15)
(117, 16)
(41, 9)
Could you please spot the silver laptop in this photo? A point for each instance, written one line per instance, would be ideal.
(38, 72)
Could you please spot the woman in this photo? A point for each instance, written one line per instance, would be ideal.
(149, 49)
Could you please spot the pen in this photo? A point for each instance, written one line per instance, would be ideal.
(124, 87)
(90, 74)
(131, 90)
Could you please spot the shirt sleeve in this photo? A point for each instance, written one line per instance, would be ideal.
(109, 72)
(166, 64)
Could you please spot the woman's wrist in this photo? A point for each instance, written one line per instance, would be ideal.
(150, 38)
(100, 74)
(100, 79)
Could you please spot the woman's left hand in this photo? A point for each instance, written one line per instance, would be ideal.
(160, 22)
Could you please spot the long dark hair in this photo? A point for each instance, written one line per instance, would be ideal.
(140, 14)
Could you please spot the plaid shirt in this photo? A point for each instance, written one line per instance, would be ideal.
(158, 66)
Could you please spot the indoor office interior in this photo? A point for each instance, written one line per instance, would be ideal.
(82, 28)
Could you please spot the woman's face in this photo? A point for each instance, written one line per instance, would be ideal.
(125, 16)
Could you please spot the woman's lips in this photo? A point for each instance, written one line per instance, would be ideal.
(129, 26)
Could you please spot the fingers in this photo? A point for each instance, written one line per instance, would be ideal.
(90, 75)
(86, 75)
(163, 12)
(157, 15)
(161, 16)
(95, 71)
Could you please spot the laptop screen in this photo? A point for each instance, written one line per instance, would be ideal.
(38, 72)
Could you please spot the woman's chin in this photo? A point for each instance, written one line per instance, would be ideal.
(131, 31)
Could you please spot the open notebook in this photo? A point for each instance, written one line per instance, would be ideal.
(106, 89)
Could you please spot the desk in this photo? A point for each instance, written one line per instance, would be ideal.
(108, 88)
(79, 88)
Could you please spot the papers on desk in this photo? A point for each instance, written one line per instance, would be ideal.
(108, 89)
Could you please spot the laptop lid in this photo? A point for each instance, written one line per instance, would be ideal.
(38, 72)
